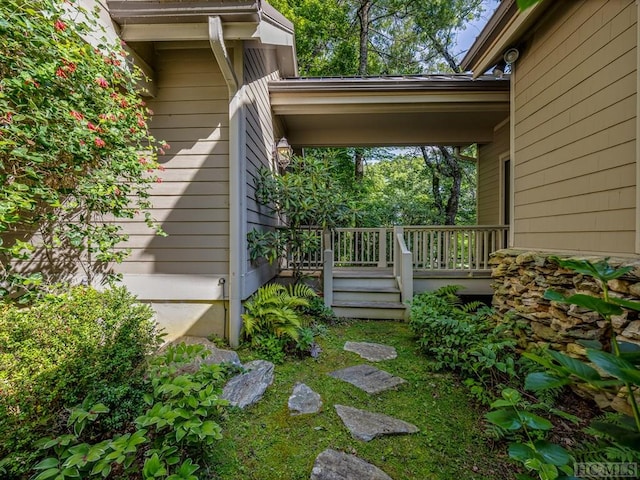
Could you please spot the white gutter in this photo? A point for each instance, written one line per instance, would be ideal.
(236, 227)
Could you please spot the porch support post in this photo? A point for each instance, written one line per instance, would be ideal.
(382, 248)
(397, 252)
(326, 240)
(327, 277)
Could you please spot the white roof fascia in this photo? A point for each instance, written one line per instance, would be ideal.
(263, 31)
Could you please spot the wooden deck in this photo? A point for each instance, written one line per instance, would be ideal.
(375, 272)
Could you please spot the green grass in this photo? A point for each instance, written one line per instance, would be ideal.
(265, 442)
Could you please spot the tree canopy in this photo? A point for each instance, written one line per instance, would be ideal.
(377, 37)
(391, 37)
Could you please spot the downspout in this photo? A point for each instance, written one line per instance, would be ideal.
(216, 41)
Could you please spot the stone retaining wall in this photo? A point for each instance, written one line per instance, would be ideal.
(522, 277)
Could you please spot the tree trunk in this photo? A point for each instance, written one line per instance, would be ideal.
(455, 173)
(359, 167)
(435, 181)
(364, 17)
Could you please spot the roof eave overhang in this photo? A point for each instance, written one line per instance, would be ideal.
(389, 111)
(188, 20)
(347, 95)
(503, 30)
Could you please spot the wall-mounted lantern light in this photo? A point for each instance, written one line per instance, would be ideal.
(283, 153)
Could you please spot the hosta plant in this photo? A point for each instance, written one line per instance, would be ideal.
(617, 363)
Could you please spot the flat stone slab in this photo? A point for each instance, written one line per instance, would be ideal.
(215, 355)
(368, 378)
(334, 465)
(366, 426)
(373, 352)
(304, 400)
(249, 387)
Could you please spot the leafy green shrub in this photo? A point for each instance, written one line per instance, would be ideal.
(305, 195)
(178, 426)
(461, 339)
(274, 320)
(63, 349)
(184, 407)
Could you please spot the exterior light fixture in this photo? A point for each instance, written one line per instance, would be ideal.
(511, 55)
(283, 153)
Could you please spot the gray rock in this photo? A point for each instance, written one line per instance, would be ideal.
(247, 388)
(304, 400)
(334, 465)
(633, 330)
(368, 378)
(216, 355)
(373, 352)
(366, 426)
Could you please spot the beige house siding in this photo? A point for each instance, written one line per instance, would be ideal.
(575, 128)
(491, 156)
(191, 203)
(180, 274)
(259, 68)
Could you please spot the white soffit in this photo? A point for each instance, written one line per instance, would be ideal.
(263, 31)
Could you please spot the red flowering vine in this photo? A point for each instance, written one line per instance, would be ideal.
(74, 126)
(102, 82)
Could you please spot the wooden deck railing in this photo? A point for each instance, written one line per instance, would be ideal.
(402, 265)
(452, 248)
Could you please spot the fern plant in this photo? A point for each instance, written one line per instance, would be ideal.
(274, 319)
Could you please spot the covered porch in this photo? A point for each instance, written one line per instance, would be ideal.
(372, 272)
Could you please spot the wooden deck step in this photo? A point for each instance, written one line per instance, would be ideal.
(363, 273)
(358, 288)
(389, 305)
(370, 310)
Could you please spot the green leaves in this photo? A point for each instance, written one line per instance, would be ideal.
(543, 381)
(173, 426)
(307, 200)
(514, 415)
(606, 309)
(600, 270)
(616, 366)
(72, 129)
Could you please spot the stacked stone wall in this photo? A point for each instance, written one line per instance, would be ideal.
(522, 277)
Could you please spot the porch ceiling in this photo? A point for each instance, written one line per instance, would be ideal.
(389, 111)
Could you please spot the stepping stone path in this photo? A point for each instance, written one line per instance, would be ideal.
(373, 352)
(304, 400)
(246, 389)
(366, 426)
(368, 378)
(334, 465)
